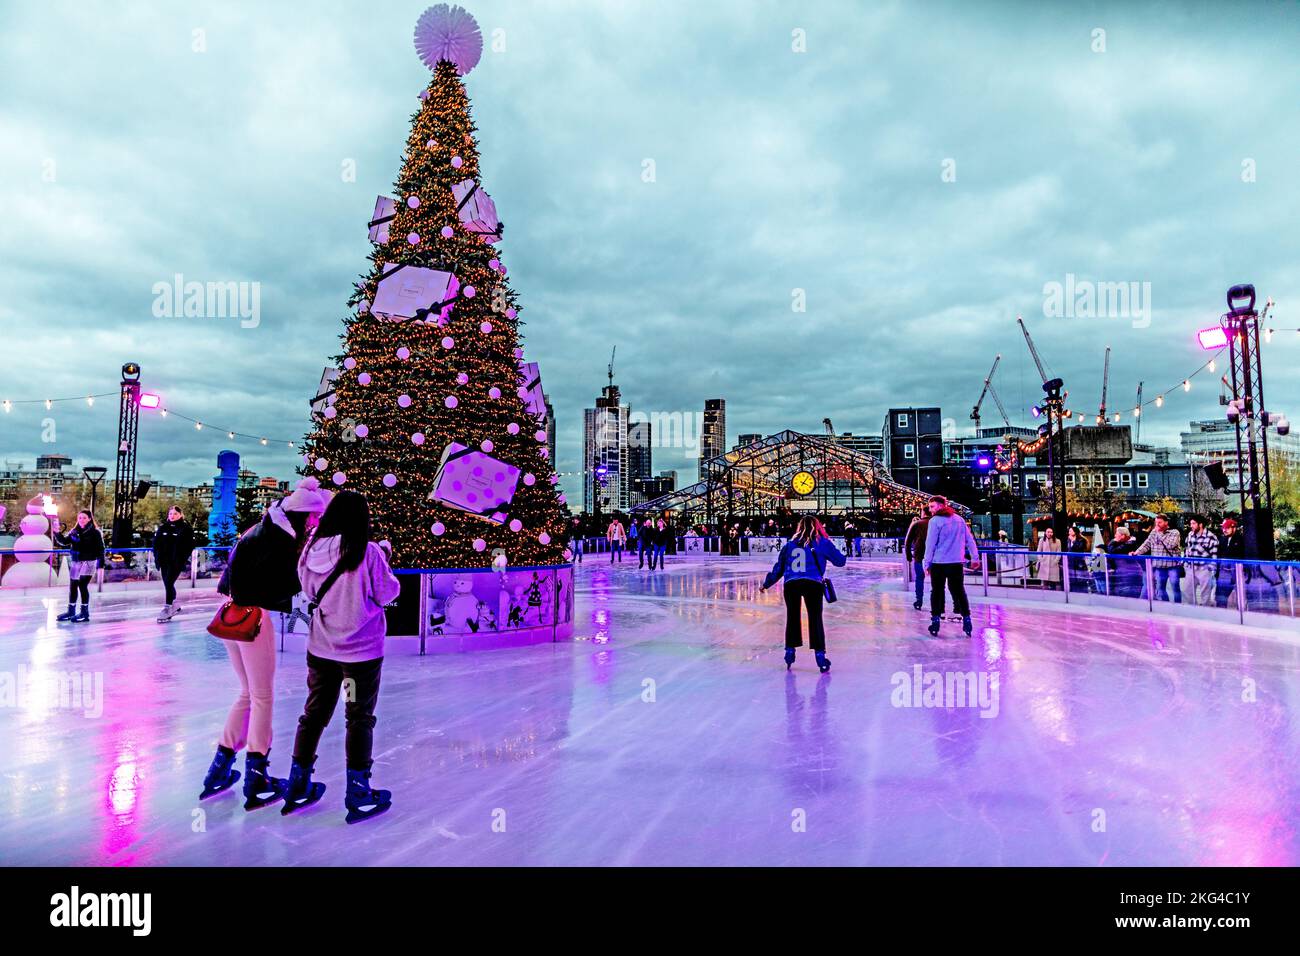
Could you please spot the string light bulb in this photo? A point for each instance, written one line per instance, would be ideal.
(8, 406)
(263, 441)
(48, 404)
(90, 401)
(230, 434)
(198, 426)
(1187, 385)
(1211, 365)
(1160, 401)
(1137, 412)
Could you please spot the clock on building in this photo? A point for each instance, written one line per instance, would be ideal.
(803, 483)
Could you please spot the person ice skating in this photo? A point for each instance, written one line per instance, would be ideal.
(1201, 543)
(663, 534)
(347, 579)
(802, 564)
(262, 572)
(173, 543)
(1164, 545)
(575, 538)
(617, 537)
(645, 542)
(949, 544)
(851, 538)
(86, 544)
(914, 549)
(1076, 543)
(1049, 567)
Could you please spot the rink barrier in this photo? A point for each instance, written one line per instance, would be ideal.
(1259, 593)
(206, 561)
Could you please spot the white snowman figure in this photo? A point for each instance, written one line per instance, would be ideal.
(32, 569)
(462, 606)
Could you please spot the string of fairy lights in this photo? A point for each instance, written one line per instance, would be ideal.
(7, 405)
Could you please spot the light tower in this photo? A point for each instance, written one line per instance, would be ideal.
(128, 433)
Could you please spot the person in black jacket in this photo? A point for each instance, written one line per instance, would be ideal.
(87, 546)
(1126, 573)
(262, 572)
(1232, 549)
(173, 543)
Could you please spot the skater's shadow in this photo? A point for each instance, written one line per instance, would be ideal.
(812, 758)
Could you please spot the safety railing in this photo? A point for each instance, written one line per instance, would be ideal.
(49, 568)
(1216, 588)
(742, 545)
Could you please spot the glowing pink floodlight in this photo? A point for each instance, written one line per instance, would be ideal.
(149, 400)
(1215, 338)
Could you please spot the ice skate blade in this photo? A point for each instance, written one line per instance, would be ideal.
(316, 791)
(213, 791)
(356, 816)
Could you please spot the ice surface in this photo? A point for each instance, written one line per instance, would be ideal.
(670, 733)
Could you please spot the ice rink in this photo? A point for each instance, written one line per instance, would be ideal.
(669, 732)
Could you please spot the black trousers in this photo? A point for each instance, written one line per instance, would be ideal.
(952, 575)
(170, 572)
(811, 594)
(324, 682)
(79, 586)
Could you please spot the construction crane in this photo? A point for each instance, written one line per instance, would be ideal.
(1137, 424)
(1105, 383)
(611, 365)
(988, 384)
(1042, 372)
(830, 429)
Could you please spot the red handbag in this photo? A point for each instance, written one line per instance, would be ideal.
(235, 622)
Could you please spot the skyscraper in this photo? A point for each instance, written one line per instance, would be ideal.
(638, 461)
(605, 453)
(713, 434)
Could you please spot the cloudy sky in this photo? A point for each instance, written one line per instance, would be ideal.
(920, 171)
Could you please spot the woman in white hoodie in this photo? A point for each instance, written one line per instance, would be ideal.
(346, 578)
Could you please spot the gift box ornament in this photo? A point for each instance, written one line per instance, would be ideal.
(413, 292)
(385, 211)
(477, 210)
(473, 481)
(530, 388)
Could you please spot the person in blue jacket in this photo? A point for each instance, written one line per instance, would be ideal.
(802, 563)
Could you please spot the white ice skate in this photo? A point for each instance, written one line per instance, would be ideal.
(168, 612)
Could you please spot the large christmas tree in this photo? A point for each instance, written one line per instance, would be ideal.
(434, 415)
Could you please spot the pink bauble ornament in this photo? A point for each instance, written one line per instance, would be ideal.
(479, 544)
(529, 478)
(544, 538)
(363, 378)
(519, 353)
(511, 312)
(560, 499)
(451, 401)
(468, 292)
(462, 379)
(487, 445)
(349, 363)
(390, 480)
(522, 392)
(494, 392)
(513, 428)
(540, 435)
(438, 527)
(321, 464)
(516, 526)
(413, 238)
(417, 438)
(502, 270)
(494, 264)
(447, 232)
(486, 328)
(412, 202)
(448, 342)
(424, 95)
(330, 411)
(431, 143)
(362, 431)
(403, 401)
(339, 478)
(457, 162)
(403, 353)
(544, 452)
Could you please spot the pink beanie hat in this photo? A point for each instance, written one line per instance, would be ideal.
(307, 496)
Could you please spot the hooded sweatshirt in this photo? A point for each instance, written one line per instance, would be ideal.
(948, 539)
(349, 624)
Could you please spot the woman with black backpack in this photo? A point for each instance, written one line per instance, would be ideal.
(262, 573)
(347, 580)
(87, 546)
(802, 563)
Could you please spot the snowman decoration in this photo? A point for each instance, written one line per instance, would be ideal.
(32, 569)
